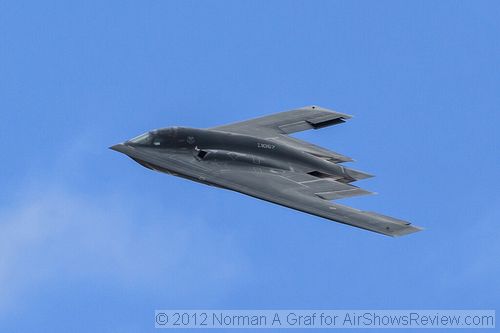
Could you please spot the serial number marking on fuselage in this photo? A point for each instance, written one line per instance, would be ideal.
(265, 145)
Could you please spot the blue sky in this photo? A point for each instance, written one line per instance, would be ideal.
(90, 241)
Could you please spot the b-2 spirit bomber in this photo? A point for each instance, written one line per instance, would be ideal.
(258, 158)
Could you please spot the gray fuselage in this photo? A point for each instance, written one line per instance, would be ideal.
(235, 149)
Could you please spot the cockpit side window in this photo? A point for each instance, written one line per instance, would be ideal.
(143, 139)
(157, 141)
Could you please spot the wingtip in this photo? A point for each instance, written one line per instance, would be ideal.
(409, 229)
(319, 108)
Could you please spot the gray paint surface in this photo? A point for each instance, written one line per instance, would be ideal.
(257, 158)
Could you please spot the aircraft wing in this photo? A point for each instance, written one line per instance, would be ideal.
(310, 195)
(276, 126)
(310, 117)
(295, 190)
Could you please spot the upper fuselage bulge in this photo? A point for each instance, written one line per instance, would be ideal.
(210, 145)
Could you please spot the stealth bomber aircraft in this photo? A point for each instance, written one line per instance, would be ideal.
(257, 157)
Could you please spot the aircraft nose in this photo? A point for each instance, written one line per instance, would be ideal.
(118, 147)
